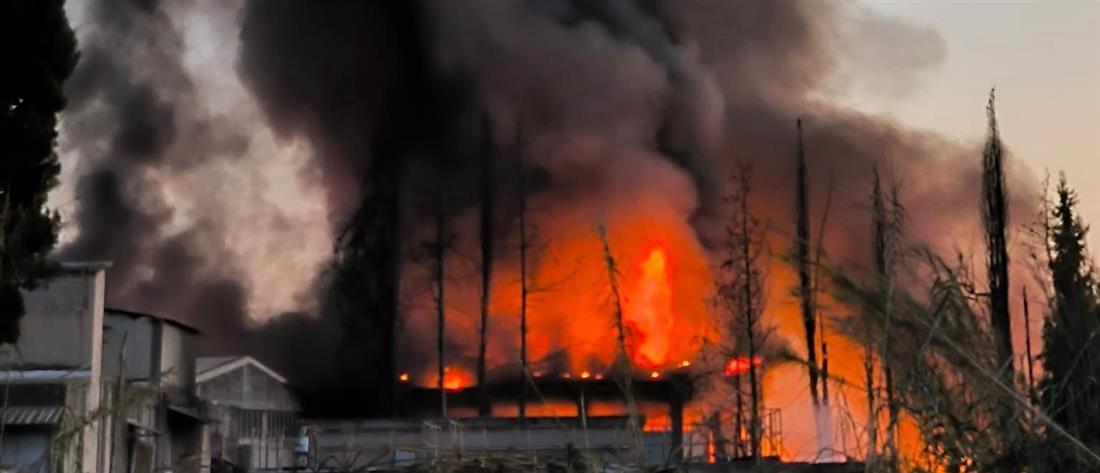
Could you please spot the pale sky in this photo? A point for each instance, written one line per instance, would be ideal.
(1044, 59)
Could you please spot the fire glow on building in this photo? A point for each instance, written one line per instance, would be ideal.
(572, 371)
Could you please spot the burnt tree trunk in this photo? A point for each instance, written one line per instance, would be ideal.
(1027, 347)
(622, 359)
(523, 289)
(880, 238)
(440, 306)
(485, 237)
(749, 293)
(802, 250)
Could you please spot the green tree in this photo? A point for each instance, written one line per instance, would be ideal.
(1071, 343)
(39, 53)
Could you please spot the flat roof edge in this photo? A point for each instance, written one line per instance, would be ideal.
(85, 266)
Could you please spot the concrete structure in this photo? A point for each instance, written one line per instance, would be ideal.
(255, 413)
(96, 390)
(347, 445)
(54, 375)
(565, 417)
(159, 423)
(663, 398)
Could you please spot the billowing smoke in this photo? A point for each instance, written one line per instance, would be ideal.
(632, 113)
(162, 177)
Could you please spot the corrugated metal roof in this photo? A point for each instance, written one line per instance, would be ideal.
(211, 367)
(44, 375)
(141, 315)
(207, 363)
(48, 415)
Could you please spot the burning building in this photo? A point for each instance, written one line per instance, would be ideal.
(352, 193)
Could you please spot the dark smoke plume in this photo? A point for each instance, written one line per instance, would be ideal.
(625, 102)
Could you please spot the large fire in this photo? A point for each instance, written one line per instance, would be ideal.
(666, 280)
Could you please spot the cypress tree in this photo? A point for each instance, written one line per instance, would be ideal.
(1070, 389)
(995, 219)
(38, 50)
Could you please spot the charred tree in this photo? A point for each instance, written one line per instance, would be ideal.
(750, 289)
(439, 250)
(524, 246)
(741, 295)
(881, 236)
(818, 255)
(995, 220)
(486, 241)
(366, 271)
(1027, 349)
(622, 359)
(802, 265)
(365, 275)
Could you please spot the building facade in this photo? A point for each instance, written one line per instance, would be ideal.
(254, 413)
(94, 390)
(53, 415)
(158, 422)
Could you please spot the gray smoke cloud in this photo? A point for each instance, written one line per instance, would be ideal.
(155, 173)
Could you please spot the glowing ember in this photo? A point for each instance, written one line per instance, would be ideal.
(566, 375)
(654, 375)
(685, 364)
(585, 375)
(650, 317)
(740, 365)
(455, 379)
(599, 376)
(404, 378)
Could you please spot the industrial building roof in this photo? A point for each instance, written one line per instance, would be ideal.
(139, 315)
(210, 367)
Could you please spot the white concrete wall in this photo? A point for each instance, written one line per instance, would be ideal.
(63, 328)
(136, 335)
(63, 322)
(177, 359)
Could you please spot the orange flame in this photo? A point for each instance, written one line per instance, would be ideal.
(454, 379)
(649, 314)
(739, 365)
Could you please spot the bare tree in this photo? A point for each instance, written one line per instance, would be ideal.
(524, 247)
(1027, 348)
(885, 229)
(486, 239)
(824, 416)
(622, 359)
(802, 264)
(740, 293)
(439, 250)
